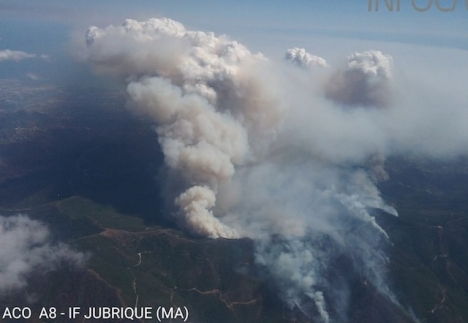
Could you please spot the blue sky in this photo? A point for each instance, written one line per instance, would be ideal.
(45, 27)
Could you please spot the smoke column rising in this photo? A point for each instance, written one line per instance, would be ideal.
(255, 153)
(212, 110)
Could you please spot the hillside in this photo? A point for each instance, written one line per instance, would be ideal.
(83, 165)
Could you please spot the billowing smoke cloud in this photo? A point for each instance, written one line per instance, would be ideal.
(14, 55)
(364, 81)
(253, 153)
(301, 58)
(26, 246)
(213, 111)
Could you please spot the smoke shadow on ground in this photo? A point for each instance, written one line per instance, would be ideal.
(83, 143)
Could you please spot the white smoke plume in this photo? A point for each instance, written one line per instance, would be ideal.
(364, 81)
(261, 155)
(301, 58)
(14, 55)
(26, 246)
(195, 203)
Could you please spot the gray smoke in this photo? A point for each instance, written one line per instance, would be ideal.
(26, 246)
(364, 81)
(261, 154)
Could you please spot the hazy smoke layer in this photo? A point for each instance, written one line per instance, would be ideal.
(26, 246)
(300, 57)
(306, 215)
(365, 80)
(260, 155)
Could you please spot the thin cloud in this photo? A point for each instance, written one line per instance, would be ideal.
(26, 246)
(33, 76)
(14, 55)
